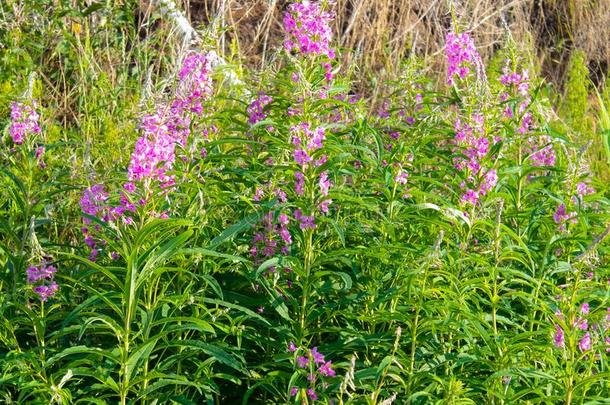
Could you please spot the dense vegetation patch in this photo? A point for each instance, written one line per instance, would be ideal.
(189, 232)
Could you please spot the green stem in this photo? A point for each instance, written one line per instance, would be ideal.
(308, 259)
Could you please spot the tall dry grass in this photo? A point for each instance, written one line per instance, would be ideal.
(379, 33)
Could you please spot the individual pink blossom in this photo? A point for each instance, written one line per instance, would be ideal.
(326, 370)
(519, 80)
(471, 196)
(324, 183)
(93, 201)
(38, 156)
(541, 151)
(258, 194)
(324, 205)
(302, 361)
(44, 275)
(401, 177)
(561, 216)
(306, 140)
(318, 357)
(301, 157)
(583, 189)
(311, 394)
(585, 343)
(581, 323)
(489, 181)
(299, 186)
(558, 337)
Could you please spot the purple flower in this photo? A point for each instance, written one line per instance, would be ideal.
(258, 194)
(308, 29)
(318, 358)
(283, 219)
(583, 189)
(292, 347)
(311, 394)
(461, 55)
(541, 151)
(307, 141)
(24, 122)
(256, 108)
(581, 324)
(44, 272)
(195, 82)
(92, 201)
(319, 162)
(301, 157)
(323, 206)
(489, 181)
(303, 362)
(293, 391)
(300, 183)
(285, 235)
(46, 291)
(471, 196)
(324, 183)
(585, 342)
(326, 370)
(306, 221)
(401, 177)
(561, 216)
(558, 337)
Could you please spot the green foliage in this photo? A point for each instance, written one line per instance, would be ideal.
(214, 289)
(576, 93)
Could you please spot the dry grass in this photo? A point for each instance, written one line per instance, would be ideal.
(379, 33)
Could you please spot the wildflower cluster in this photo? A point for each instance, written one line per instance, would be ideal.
(461, 55)
(154, 153)
(317, 370)
(588, 333)
(517, 85)
(308, 29)
(471, 139)
(256, 109)
(24, 122)
(43, 275)
(170, 125)
(306, 141)
(562, 217)
(272, 238)
(93, 203)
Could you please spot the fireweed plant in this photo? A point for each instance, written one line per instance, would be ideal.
(285, 240)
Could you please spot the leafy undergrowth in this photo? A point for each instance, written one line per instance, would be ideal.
(270, 240)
